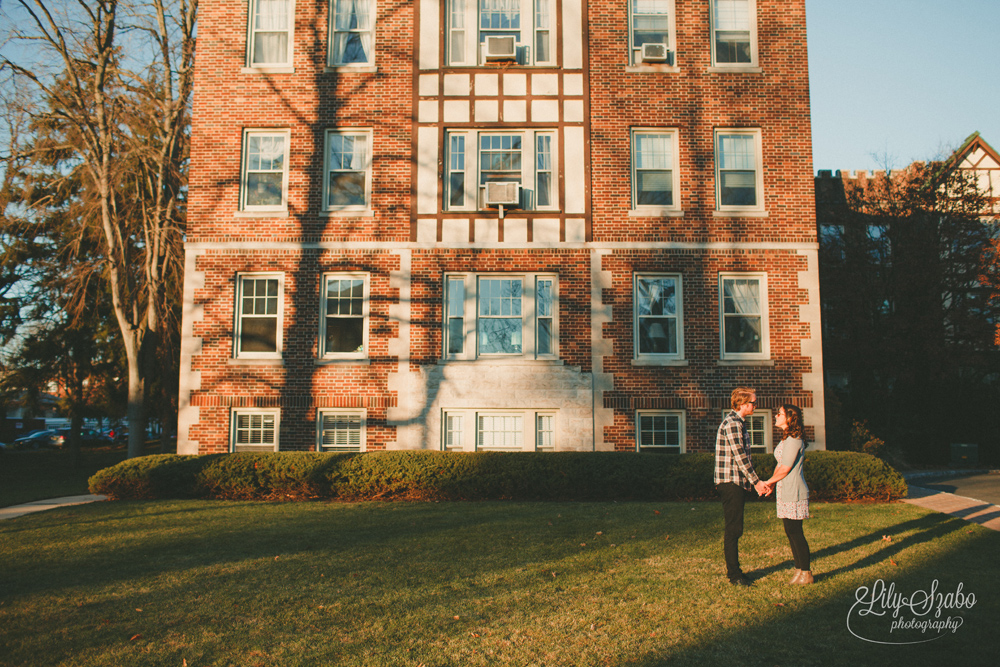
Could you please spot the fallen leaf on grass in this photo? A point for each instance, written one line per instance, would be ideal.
(456, 618)
(583, 544)
(134, 637)
(893, 562)
(887, 538)
(779, 604)
(656, 511)
(138, 609)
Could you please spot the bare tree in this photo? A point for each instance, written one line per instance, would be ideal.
(116, 79)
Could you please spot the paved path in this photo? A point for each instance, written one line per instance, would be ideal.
(42, 505)
(970, 509)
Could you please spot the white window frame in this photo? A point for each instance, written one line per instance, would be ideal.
(752, 27)
(238, 352)
(252, 30)
(681, 430)
(766, 432)
(671, 135)
(365, 166)
(245, 170)
(635, 51)
(469, 163)
(469, 313)
(765, 351)
(332, 55)
(467, 437)
(464, 46)
(236, 413)
(720, 136)
(359, 415)
(678, 316)
(324, 317)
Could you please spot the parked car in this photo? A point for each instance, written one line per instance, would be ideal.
(88, 437)
(35, 440)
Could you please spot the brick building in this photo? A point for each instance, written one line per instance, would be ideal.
(498, 224)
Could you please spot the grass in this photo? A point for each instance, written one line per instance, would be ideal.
(38, 475)
(493, 583)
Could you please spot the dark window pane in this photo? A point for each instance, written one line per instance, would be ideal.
(259, 334)
(347, 189)
(345, 334)
(264, 189)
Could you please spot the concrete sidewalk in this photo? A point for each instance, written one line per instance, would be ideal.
(961, 507)
(42, 505)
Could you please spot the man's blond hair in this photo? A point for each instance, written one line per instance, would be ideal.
(741, 395)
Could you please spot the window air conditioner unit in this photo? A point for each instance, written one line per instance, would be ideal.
(503, 193)
(500, 47)
(654, 53)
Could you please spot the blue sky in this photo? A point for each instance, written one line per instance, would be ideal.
(910, 79)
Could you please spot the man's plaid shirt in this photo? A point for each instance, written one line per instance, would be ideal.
(732, 453)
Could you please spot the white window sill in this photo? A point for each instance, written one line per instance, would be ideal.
(749, 213)
(331, 361)
(358, 69)
(349, 213)
(504, 361)
(278, 213)
(735, 69)
(656, 213)
(268, 69)
(261, 361)
(649, 361)
(745, 362)
(652, 69)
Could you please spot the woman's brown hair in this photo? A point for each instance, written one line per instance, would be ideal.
(794, 427)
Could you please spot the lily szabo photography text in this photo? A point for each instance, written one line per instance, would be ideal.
(883, 614)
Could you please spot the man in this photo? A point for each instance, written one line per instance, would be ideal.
(735, 476)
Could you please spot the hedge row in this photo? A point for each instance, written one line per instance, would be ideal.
(429, 475)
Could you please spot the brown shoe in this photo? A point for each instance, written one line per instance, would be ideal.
(805, 577)
(796, 576)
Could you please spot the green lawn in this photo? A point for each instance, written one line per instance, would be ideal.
(493, 583)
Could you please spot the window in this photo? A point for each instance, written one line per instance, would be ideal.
(525, 158)
(352, 32)
(759, 430)
(265, 170)
(347, 186)
(738, 171)
(500, 432)
(258, 316)
(743, 302)
(270, 42)
(651, 22)
(343, 327)
(500, 316)
(734, 33)
(545, 432)
(481, 31)
(454, 433)
(254, 431)
(660, 431)
(658, 329)
(654, 176)
(340, 431)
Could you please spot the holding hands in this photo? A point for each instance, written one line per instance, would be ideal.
(763, 488)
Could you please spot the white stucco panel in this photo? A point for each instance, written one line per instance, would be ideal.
(427, 179)
(572, 21)
(576, 186)
(430, 32)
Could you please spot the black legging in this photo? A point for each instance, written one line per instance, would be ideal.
(800, 548)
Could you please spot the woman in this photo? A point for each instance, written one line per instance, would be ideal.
(793, 494)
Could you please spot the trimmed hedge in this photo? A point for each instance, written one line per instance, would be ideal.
(431, 475)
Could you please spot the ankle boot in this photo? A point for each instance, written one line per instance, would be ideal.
(805, 577)
(796, 576)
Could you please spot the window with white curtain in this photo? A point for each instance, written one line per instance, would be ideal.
(743, 313)
(759, 430)
(352, 33)
(738, 170)
(270, 42)
(265, 171)
(734, 33)
(651, 22)
(658, 313)
(347, 186)
(655, 177)
(344, 322)
(529, 24)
